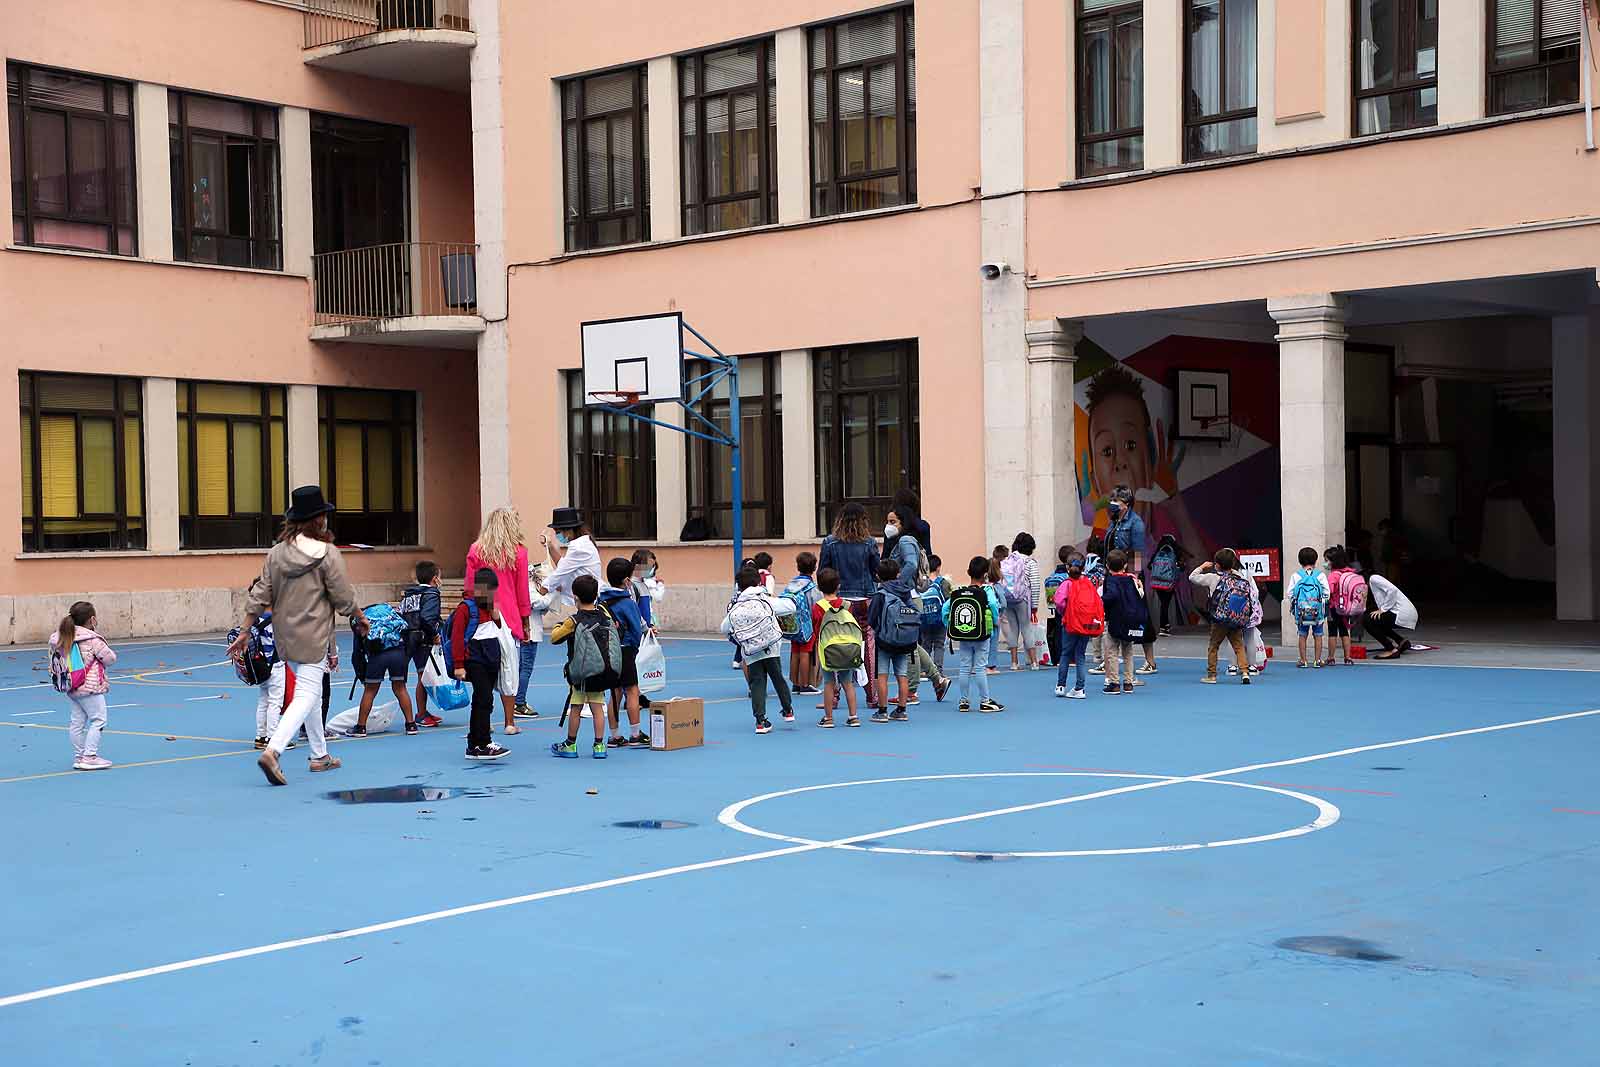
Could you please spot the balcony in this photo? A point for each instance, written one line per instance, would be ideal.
(424, 42)
(421, 294)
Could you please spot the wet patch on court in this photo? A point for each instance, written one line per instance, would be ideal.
(652, 824)
(1348, 948)
(416, 794)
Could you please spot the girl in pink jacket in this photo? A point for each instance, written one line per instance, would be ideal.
(88, 698)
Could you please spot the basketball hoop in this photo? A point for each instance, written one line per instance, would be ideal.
(623, 399)
(1218, 428)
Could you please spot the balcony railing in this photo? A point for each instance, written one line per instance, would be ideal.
(417, 278)
(332, 21)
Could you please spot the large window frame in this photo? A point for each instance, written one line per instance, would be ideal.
(707, 478)
(1548, 62)
(584, 222)
(1097, 17)
(84, 529)
(1412, 95)
(835, 386)
(1217, 125)
(110, 128)
(615, 486)
(356, 520)
(700, 107)
(204, 408)
(834, 190)
(261, 244)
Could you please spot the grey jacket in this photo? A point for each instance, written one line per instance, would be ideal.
(304, 585)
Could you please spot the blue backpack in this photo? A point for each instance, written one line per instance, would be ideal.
(472, 628)
(1164, 568)
(1307, 602)
(800, 592)
(1230, 601)
(931, 601)
(900, 625)
(386, 628)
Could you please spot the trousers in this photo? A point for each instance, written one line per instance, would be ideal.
(308, 679)
(757, 672)
(88, 719)
(269, 704)
(972, 664)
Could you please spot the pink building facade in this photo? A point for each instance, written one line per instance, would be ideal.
(1288, 270)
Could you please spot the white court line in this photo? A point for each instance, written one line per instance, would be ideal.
(213, 696)
(26, 714)
(122, 644)
(110, 706)
(729, 861)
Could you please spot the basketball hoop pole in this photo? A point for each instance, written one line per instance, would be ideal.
(735, 435)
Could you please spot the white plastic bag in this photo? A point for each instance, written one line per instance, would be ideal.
(652, 664)
(433, 672)
(510, 662)
(379, 719)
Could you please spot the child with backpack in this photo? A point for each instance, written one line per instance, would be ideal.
(1254, 648)
(970, 618)
(420, 608)
(802, 630)
(1020, 572)
(1127, 620)
(1165, 566)
(897, 622)
(1228, 600)
(474, 657)
(931, 590)
(1094, 569)
(1308, 600)
(1082, 615)
(616, 599)
(840, 647)
(1052, 614)
(259, 665)
(594, 659)
(78, 661)
(385, 647)
(997, 581)
(752, 623)
(1347, 601)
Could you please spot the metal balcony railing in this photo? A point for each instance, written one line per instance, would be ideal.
(395, 280)
(332, 21)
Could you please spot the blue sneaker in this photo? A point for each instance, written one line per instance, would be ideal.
(565, 749)
(599, 750)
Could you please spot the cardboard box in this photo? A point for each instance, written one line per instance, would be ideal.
(677, 723)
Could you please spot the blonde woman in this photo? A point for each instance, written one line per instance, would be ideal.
(500, 548)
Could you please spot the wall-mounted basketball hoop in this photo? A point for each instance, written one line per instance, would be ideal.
(640, 360)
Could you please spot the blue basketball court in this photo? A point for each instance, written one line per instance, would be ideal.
(1375, 865)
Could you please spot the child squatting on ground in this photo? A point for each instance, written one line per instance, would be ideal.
(78, 661)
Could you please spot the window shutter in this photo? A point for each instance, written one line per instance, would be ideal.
(99, 467)
(27, 465)
(211, 466)
(58, 466)
(133, 467)
(1513, 24)
(247, 468)
(276, 468)
(347, 457)
(183, 458)
(380, 468)
(1563, 21)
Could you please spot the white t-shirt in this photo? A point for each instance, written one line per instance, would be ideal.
(582, 557)
(1388, 597)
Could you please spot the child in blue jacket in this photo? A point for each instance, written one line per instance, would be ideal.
(617, 599)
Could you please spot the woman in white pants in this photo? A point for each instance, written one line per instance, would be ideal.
(304, 584)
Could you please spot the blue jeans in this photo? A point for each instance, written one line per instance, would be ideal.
(994, 645)
(525, 658)
(972, 660)
(1073, 650)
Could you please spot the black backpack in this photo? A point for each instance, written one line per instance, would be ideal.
(1127, 617)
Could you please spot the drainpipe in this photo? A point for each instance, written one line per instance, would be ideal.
(1588, 83)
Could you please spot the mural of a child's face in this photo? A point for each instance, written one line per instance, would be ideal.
(1118, 443)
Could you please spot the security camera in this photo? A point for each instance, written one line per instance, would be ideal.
(991, 271)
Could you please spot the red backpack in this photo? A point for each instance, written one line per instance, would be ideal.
(1349, 593)
(1085, 612)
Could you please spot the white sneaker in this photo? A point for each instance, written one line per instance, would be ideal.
(1149, 669)
(1061, 690)
(1097, 670)
(1077, 694)
(92, 763)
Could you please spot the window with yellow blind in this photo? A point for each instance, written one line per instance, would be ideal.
(233, 468)
(82, 451)
(367, 440)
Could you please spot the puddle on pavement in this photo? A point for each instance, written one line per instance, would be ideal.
(1349, 948)
(652, 824)
(417, 794)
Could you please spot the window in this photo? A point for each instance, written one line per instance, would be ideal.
(611, 467)
(710, 474)
(730, 138)
(82, 463)
(71, 160)
(867, 437)
(1533, 53)
(864, 113)
(233, 468)
(1110, 86)
(1219, 117)
(1395, 65)
(224, 157)
(368, 450)
(605, 144)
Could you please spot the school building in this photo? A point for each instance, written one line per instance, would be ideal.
(1291, 270)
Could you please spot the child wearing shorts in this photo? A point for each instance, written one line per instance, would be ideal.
(1308, 599)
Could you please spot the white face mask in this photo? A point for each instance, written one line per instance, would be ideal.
(891, 530)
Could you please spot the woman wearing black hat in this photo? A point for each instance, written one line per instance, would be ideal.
(572, 551)
(304, 584)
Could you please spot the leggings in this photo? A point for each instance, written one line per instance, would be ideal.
(1384, 629)
(1165, 596)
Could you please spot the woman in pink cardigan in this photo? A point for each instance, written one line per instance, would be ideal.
(500, 548)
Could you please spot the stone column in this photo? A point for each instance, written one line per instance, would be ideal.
(1311, 337)
(1163, 85)
(1575, 380)
(161, 459)
(1459, 60)
(294, 143)
(1055, 517)
(794, 126)
(152, 159)
(666, 176)
(799, 446)
(304, 438)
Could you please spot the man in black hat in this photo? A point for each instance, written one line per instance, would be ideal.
(572, 551)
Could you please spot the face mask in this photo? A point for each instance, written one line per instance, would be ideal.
(891, 530)
(561, 539)
(649, 572)
(1114, 510)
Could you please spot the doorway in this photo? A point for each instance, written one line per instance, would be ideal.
(360, 199)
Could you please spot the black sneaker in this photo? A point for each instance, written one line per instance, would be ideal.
(487, 752)
(941, 686)
(899, 715)
(617, 741)
(1245, 678)
(1112, 687)
(788, 716)
(522, 711)
(880, 716)
(763, 726)
(991, 706)
(639, 740)
(1127, 690)
(965, 705)
(358, 730)
(411, 727)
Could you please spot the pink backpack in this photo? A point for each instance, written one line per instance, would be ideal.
(1349, 593)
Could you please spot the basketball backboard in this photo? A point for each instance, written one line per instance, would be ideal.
(642, 355)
